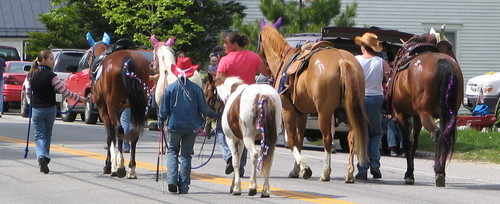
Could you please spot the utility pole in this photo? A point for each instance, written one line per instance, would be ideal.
(301, 27)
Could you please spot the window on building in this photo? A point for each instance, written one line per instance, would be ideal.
(452, 37)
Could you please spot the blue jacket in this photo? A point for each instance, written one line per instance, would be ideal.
(184, 106)
(2, 67)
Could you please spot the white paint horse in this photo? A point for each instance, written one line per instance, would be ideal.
(164, 58)
(251, 112)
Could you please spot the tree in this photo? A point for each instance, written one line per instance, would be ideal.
(67, 24)
(195, 23)
(346, 18)
(310, 17)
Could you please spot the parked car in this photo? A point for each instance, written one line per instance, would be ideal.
(342, 38)
(487, 85)
(13, 77)
(65, 62)
(79, 82)
(9, 53)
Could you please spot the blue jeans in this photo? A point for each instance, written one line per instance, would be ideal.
(373, 107)
(393, 134)
(1, 94)
(179, 169)
(224, 148)
(125, 122)
(43, 121)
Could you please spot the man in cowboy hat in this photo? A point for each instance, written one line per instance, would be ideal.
(373, 68)
(183, 107)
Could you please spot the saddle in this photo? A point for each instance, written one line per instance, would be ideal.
(296, 64)
(415, 46)
(120, 44)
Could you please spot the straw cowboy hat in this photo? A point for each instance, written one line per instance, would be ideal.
(369, 40)
(184, 67)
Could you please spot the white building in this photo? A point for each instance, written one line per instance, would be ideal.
(17, 18)
(472, 26)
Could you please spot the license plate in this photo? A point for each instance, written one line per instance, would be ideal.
(58, 97)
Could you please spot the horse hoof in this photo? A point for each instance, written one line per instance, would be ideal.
(264, 196)
(121, 172)
(349, 180)
(306, 173)
(440, 180)
(106, 170)
(325, 179)
(132, 177)
(293, 174)
(231, 190)
(409, 181)
(252, 192)
(236, 193)
(114, 174)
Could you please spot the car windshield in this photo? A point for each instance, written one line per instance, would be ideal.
(16, 67)
(10, 54)
(66, 61)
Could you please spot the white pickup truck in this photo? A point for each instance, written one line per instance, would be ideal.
(65, 62)
(487, 85)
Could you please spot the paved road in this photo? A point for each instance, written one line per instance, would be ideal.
(78, 157)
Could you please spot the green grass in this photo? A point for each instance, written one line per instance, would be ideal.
(470, 145)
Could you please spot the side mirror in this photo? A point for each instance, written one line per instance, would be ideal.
(27, 68)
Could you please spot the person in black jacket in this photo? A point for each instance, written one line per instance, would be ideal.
(42, 88)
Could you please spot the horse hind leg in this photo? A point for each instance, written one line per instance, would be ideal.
(236, 151)
(439, 161)
(325, 127)
(415, 126)
(108, 163)
(120, 171)
(349, 178)
(305, 171)
(250, 145)
(132, 164)
(266, 171)
(290, 122)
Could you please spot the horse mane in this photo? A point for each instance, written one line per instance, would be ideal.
(163, 53)
(274, 40)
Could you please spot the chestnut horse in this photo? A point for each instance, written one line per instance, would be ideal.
(431, 87)
(332, 80)
(251, 113)
(122, 84)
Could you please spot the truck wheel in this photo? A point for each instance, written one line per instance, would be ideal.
(90, 117)
(5, 107)
(25, 108)
(67, 117)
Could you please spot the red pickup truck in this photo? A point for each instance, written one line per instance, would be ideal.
(79, 82)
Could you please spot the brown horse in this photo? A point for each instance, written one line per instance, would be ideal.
(332, 81)
(121, 84)
(431, 87)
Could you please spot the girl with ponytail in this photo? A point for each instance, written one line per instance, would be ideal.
(41, 90)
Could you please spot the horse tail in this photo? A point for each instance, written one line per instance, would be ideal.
(266, 127)
(352, 83)
(136, 93)
(448, 93)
